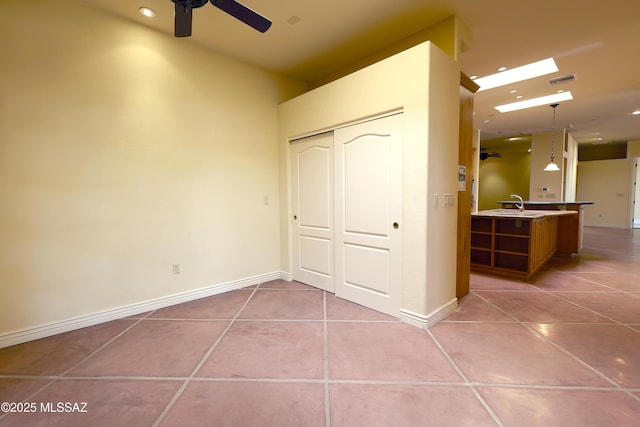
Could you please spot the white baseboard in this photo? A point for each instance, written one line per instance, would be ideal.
(431, 319)
(54, 328)
(607, 225)
(286, 276)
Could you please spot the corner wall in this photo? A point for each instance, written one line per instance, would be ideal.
(633, 149)
(633, 153)
(611, 194)
(451, 35)
(423, 82)
(571, 186)
(540, 157)
(122, 152)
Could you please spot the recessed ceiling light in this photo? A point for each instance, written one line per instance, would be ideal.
(518, 74)
(513, 91)
(502, 68)
(473, 77)
(519, 97)
(149, 13)
(636, 113)
(534, 102)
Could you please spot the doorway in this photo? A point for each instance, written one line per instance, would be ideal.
(636, 194)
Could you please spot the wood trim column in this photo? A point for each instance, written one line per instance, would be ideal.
(465, 158)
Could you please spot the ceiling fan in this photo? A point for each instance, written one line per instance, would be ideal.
(484, 155)
(183, 16)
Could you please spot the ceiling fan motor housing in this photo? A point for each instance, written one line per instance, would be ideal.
(184, 8)
(191, 4)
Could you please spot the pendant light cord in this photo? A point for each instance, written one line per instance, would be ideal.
(553, 131)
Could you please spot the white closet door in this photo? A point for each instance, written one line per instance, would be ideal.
(313, 211)
(368, 220)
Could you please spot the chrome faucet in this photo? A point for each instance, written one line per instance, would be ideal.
(518, 205)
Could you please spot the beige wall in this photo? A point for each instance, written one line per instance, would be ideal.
(633, 153)
(636, 184)
(607, 183)
(540, 157)
(123, 151)
(423, 82)
(633, 149)
(451, 35)
(571, 156)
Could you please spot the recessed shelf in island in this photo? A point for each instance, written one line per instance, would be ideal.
(513, 244)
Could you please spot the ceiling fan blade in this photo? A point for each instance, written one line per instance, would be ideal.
(243, 13)
(182, 21)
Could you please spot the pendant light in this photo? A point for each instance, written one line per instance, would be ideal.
(551, 167)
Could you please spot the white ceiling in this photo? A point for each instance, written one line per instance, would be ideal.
(597, 40)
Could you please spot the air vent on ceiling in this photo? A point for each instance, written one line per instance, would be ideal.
(562, 79)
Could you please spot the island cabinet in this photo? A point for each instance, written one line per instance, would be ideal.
(516, 247)
(569, 226)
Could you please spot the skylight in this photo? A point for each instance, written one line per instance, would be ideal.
(518, 74)
(534, 102)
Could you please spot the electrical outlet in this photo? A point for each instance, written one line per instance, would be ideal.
(176, 268)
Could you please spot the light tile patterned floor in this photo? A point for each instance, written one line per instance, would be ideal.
(563, 349)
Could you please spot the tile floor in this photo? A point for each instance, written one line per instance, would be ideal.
(563, 349)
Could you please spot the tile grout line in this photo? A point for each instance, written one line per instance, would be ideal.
(213, 346)
(276, 320)
(61, 376)
(31, 396)
(457, 384)
(611, 289)
(613, 321)
(557, 346)
(326, 381)
(467, 383)
(327, 401)
(504, 322)
(306, 288)
(127, 329)
(558, 294)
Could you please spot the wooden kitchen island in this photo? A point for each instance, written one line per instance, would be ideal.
(517, 244)
(571, 241)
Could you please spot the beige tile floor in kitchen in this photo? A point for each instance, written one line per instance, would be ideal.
(563, 349)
